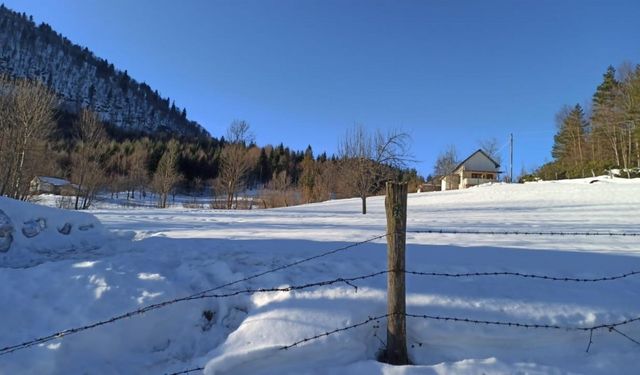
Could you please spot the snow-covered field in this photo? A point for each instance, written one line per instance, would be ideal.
(130, 258)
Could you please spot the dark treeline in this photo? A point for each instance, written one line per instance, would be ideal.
(37, 138)
(603, 136)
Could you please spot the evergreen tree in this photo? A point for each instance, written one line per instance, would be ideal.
(605, 118)
(308, 177)
(569, 142)
(263, 168)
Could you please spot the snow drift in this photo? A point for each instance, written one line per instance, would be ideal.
(32, 234)
(178, 252)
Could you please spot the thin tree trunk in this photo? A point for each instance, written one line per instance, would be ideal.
(79, 190)
(364, 204)
(19, 170)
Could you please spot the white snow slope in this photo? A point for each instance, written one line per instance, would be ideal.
(177, 252)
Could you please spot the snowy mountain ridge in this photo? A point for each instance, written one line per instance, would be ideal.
(83, 80)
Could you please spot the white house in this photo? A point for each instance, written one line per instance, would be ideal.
(479, 168)
(51, 185)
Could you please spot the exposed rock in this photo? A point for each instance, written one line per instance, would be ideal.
(65, 229)
(85, 227)
(32, 228)
(6, 232)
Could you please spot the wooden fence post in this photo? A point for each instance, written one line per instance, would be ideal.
(396, 209)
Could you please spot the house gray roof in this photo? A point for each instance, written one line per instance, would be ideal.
(54, 181)
(470, 156)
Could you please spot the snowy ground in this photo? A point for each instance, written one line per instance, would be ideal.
(152, 255)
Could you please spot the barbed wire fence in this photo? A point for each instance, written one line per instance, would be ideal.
(351, 282)
(609, 326)
(198, 295)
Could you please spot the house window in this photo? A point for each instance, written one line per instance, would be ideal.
(489, 176)
(476, 175)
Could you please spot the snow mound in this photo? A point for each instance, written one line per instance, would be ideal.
(31, 234)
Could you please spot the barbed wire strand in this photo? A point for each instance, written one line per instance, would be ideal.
(71, 331)
(329, 333)
(187, 371)
(523, 233)
(525, 325)
(349, 281)
(612, 327)
(526, 275)
(609, 326)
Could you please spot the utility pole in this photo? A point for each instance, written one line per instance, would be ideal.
(511, 162)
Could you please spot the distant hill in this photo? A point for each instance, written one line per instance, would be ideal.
(85, 80)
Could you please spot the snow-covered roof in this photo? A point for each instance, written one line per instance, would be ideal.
(54, 180)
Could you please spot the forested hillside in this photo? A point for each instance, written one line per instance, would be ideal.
(67, 113)
(605, 135)
(83, 80)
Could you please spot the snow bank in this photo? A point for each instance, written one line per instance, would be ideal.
(31, 234)
(177, 252)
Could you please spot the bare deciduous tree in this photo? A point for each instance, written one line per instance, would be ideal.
(326, 181)
(239, 131)
(137, 177)
(279, 192)
(446, 161)
(27, 112)
(492, 147)
(86, 170)
(235, 161)
(368, 159)
(166, 175)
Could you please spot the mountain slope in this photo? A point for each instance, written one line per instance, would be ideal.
(84, 80)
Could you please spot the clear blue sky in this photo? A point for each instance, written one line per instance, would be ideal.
(301, 72)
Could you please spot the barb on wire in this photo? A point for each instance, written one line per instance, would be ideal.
(198, 295)
(523, 233)
(590, 340)
(526, 275)
(329, 333)
(187, 371)
(614, 329)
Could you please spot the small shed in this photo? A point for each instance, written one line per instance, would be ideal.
(431, 185)
(51, 185)
(479, 168)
